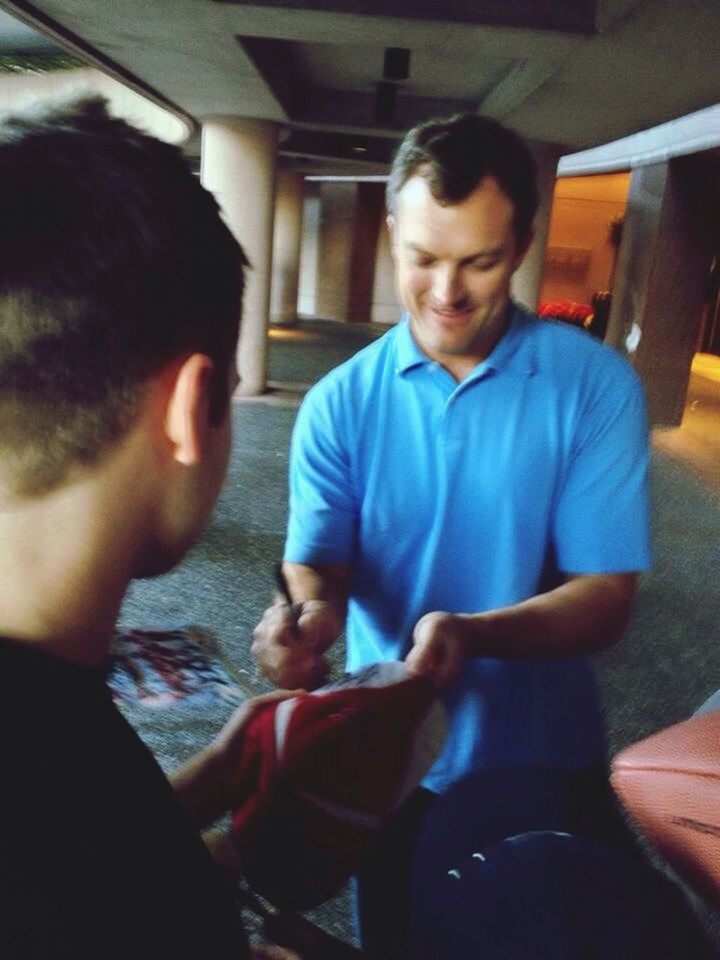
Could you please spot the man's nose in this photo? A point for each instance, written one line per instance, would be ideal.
(447, 289)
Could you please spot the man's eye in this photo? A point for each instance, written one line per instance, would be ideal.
(483, 265)
(423, 262)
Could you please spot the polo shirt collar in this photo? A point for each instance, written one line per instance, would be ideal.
(508, 353)
(407, 353)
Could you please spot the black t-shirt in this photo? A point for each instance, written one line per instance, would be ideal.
(97, 857)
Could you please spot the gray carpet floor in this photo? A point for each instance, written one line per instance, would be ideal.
(668, 663)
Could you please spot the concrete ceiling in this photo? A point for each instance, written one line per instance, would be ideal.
(572, 72)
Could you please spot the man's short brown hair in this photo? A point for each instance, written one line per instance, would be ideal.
(113, 261)
(454, 155)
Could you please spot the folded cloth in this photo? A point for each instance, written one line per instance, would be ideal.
(319, 773)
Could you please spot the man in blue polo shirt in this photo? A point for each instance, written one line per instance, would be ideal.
(468, 492)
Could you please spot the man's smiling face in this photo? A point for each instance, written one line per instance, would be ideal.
(453, 264)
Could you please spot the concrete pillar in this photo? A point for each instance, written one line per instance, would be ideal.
(526, 281)
(287, 236)
(369, 211)
(238, 167)
(661, 277)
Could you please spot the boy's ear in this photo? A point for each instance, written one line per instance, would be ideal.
(187, 416)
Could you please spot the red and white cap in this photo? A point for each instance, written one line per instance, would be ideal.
(318, 775)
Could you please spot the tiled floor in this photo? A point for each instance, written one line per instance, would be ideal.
(696, 442)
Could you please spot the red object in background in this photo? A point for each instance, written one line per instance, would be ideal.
(569, 311)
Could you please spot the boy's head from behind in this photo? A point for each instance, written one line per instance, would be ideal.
(114, 263)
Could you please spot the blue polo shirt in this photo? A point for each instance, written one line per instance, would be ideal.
(470, 496)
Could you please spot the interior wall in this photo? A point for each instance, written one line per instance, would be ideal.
(323, 256)
(579, 258)
(336, 227)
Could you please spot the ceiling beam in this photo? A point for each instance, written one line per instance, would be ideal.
(517, 85)
(564, 16)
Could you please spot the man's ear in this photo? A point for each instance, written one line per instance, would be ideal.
(187, 416)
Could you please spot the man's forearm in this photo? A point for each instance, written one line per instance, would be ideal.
(585, 614)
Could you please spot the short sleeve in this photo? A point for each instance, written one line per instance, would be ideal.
(322, 523)
(601, 519)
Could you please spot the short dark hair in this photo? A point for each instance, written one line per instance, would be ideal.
(113, 261)
(455, 154)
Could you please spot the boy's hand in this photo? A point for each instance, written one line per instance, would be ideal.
(204, 784)
(228, 741)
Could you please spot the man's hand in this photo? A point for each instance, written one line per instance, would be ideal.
(291, 654)
(586, 613)
(440, 646)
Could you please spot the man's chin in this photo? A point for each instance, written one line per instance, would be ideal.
(451, 346)
(461, 336)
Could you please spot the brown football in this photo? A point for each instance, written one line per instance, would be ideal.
(669, 783)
